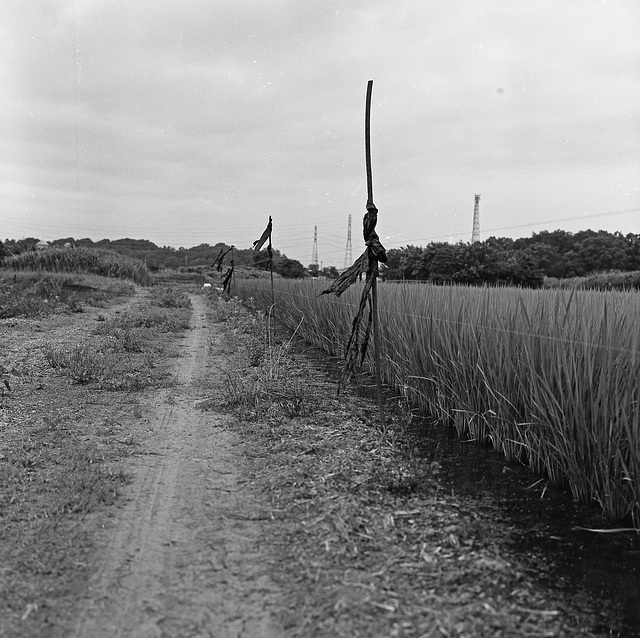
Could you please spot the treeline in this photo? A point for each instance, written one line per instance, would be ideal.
(520, 262)
(197, 258)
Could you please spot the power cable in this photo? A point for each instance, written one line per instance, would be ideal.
(494, 329)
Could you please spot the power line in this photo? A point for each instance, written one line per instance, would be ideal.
(543, 223)
(456, 322)
(52, 228)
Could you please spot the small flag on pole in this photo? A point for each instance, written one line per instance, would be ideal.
(217, 264)
(226, 280)
(259, 243)
(218, 259)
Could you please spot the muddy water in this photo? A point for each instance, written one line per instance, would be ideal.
(602, 570)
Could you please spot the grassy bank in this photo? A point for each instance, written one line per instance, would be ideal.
(549, 378)
(31, 295)
(95, 261)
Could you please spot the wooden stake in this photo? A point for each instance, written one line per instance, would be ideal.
(233, 275)
(273, 294)
(376, 345)
(373, 262)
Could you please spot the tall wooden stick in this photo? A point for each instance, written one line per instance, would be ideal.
(373, 262)
(273, 294)
(367, 142)
(233, 275)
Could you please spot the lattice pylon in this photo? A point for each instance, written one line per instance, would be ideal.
(314, 253)
(348, 255)
(475, 235)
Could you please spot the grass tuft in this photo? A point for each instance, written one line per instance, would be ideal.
(37, 294)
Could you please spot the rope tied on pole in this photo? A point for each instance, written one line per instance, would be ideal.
(371, 239)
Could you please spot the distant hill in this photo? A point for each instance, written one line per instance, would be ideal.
(155, 257)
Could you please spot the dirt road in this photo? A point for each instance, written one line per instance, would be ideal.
(183, 556)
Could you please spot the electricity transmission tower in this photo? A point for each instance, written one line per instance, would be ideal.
(314, 253)
(348, 256)
(475, 235)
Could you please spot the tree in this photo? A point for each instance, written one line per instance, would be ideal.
(261, 259)
(404, 263)
(314, 270)
(523, 269)
(603, 252)
(289, 268)
(633, 250)
(441, 261)
(330, 272)
(15, 247)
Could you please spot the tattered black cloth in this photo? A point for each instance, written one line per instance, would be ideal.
(349, 276)
(371, 238)
(259, 243)
(217, 264)
(226, 280)
(361, 265)
(218, 261)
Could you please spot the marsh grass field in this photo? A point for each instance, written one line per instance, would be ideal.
(550, 378)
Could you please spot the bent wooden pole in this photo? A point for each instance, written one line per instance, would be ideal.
(373, 261)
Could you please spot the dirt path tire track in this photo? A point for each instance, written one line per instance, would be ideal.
(183, 557)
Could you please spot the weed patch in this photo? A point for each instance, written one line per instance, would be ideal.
(50, 476)
(161, 320)
(123, 353)
(106, 361)
(169, 297)
(270, 382)
(38, 295)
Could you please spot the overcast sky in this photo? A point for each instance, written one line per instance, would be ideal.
(191, 121)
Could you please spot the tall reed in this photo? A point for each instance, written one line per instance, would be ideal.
(97, 261)
(550, 378)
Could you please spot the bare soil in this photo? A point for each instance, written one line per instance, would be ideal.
(246, 500)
